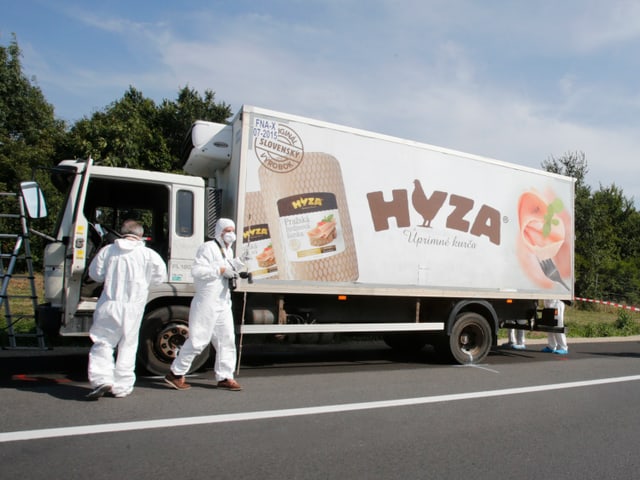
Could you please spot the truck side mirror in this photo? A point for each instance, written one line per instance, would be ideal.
(33, 199)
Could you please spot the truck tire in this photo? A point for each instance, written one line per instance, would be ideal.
(162, 333)
(470, 340)
(406, 342)
(307, 338)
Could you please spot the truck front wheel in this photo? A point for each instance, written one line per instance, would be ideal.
(163, 331)
(471, 339)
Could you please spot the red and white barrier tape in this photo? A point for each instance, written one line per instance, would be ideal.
(604, 302)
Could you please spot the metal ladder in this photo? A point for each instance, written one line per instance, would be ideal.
(18, 260)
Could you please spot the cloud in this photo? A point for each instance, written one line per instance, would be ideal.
(602, 25)
(440, 91)
(514, 81)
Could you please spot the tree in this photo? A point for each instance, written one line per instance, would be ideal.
(175, 118)
(616, 219)
(607, 247)
(133, 132)
(571, 164)
(29, 132)
(123, 135)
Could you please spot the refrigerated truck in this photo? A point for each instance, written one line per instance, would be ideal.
(342, 230)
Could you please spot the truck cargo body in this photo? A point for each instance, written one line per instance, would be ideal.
(344, 226)
(366, 212)
(344, 230)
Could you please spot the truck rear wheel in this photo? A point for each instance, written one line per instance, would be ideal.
(470, 340)
(162, 333)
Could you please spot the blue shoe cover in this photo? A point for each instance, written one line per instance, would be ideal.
(547, 350)
(561, 351)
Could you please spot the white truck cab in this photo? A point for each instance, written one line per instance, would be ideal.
(97, 200)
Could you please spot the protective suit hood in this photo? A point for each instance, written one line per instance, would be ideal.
(221, 224)
(128, 243)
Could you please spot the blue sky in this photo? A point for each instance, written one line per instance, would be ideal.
(519, 81)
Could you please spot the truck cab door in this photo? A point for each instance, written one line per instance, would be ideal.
(76, 261)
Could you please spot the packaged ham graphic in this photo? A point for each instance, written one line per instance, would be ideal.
(256, 239)
(309, 220)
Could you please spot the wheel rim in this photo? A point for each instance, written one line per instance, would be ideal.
(472, 339)
(170, 339)
(468, 338)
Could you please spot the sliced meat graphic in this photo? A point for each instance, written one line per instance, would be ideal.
(323, 234)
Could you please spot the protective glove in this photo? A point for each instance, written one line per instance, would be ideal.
(237, 263)
(229, 273)
(245, 257)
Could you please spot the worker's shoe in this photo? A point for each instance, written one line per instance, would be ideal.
(229, 384)
(122, 394)
(561, 351)
(98, 392)
(175, 381)
(547, 350)
(515, 346)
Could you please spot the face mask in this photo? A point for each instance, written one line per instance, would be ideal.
(229, 238)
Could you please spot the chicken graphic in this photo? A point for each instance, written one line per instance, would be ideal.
(427, 207)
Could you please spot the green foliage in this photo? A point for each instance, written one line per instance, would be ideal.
(623, 326)
(607, 244)
(29, 132)
(571, 164)
(134, 132)
(593, 330)
(175, 118)
(626, 323)
(123, 135)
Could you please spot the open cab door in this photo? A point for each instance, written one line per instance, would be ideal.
(65, 258)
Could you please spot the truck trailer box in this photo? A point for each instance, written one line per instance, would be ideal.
(325, 208)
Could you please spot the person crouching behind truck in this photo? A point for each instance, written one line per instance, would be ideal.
(127, 268)
(210, 316)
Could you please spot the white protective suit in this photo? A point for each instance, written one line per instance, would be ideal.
(516, 337)
(127, 268)
(210, 316)
(557, 341)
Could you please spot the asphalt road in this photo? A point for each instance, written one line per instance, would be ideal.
(341, 411)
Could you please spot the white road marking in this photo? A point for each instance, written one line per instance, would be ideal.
(292, 412)
(478, 366)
